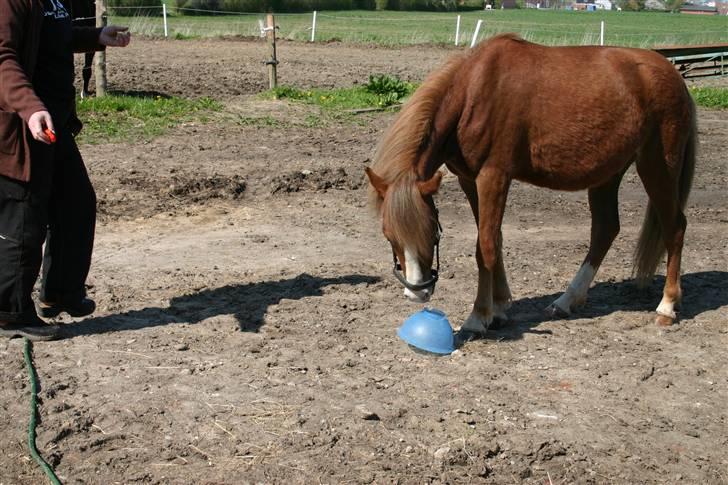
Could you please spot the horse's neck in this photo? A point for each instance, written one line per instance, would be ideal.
(430, 159)
(436, 152)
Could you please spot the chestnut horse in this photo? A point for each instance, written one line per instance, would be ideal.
(564, 118)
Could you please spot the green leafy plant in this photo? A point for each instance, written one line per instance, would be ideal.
(389, 87)
(379, 92)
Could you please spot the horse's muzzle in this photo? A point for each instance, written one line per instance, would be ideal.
(420, 296)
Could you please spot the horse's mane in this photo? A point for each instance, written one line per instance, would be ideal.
(396, 154)
(394, 160)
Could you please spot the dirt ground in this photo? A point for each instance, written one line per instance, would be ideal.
(246, 320)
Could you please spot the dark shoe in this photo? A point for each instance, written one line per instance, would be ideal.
(37, 330)
(81, 308)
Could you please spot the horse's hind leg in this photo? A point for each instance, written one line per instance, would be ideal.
(604, 228)
(667, 185)
(501, 291)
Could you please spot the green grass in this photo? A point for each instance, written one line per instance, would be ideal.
(637, 29)
(121, 117)
(334, 105)
(380, 92)
(311, 120)
(264, 121)
(710, 97)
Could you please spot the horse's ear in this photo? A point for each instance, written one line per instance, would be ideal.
(430, 187)
(377, 182)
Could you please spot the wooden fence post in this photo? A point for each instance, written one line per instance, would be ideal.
(270, 33)
(100, 68)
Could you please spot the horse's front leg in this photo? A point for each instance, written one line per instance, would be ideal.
(494, 296)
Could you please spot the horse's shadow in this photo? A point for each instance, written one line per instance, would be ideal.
(701, 292)
(247, 302)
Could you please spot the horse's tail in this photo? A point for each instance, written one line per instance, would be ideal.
(651, 246)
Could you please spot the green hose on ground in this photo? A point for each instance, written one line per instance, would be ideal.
(33, 415)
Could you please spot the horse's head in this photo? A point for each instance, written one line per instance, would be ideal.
(410, 224)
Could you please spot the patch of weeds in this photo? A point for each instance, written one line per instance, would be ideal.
(268, 121)
(116, 118)
(314, 121)
(390, 89)
(181, 36)
(710, 97)
(379, 92)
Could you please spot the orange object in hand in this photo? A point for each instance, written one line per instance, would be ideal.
(51, 134)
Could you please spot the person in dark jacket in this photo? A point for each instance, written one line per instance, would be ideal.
(44, 186)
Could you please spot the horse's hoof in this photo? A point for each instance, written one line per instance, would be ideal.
(476, 324)
(555, 311)
(464, 336)
(664, 320)
(500, 321)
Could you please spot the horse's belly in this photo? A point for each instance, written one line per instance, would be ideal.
(568, 173)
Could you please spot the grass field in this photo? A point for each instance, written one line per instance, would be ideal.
(120, 117)
(553, 27)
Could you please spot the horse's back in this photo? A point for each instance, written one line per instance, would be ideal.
(568, 117)
(516, 66)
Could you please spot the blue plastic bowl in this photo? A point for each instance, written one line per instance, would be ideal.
(428, 330)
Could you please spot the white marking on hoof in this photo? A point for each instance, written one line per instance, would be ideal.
(666, 308)
(575, 293)
(477, 324)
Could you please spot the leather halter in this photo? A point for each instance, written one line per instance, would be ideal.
(397, 270)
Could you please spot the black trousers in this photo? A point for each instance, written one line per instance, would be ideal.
(58, 207)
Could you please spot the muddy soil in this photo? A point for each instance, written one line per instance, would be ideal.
(246, 320)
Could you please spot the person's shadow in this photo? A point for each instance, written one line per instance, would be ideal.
(247, 302)
(702, 292)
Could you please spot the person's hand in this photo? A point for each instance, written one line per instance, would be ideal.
(38, 123)
(115, 36)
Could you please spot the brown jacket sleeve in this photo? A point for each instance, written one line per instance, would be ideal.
(16, 90)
